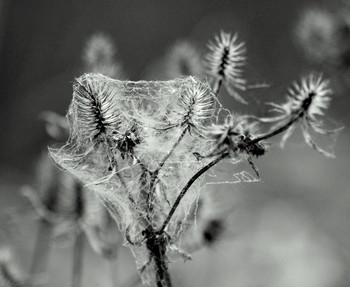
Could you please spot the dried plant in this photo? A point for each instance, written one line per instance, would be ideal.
(143, 147)
(137, 152)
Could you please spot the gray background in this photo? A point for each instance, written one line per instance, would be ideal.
(291, 229)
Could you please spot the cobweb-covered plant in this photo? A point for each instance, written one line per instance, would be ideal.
(133, 143)
(144, 146)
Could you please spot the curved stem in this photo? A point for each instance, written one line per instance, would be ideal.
(215, 161)
(161, 164)
(217, 86)
(272, 133)
(187, 186)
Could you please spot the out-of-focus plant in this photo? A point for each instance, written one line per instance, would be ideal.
(10, 273)
(66, 208)
(67, 211)
(144, 146)
(324, 38)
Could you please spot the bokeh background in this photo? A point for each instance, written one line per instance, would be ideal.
(290, 229)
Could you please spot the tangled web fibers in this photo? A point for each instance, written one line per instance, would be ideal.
(120, 134)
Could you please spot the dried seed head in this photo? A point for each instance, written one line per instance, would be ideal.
(126, 142)
(233, 136)
(312, 96)
(94, 113)
(225, 62)
(198, 105)
(306, 103)
(160, 161)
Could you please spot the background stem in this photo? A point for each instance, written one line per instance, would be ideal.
(41, 250)
(78, 260)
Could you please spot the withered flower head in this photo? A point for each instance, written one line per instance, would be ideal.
(225, 61)
(306, 104)
(197, 103)
(94, 112)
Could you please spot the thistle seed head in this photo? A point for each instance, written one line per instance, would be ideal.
(234, 137)
(198, 105)
(306, 103)
(225, 61)
(311, 95)
(95, 115)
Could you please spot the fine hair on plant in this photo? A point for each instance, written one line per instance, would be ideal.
(144, 146)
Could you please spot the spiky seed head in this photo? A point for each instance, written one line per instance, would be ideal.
(127, 141)
(233, 135)
(225, 61)
(306, 103)
(311, 96)
(197, 104)
(94, 114)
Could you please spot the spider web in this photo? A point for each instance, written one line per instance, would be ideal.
(141, 125)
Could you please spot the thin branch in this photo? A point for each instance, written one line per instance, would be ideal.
(41, 249)
(217, 86)
(272, 133)
(160, 165)
(187, 186)
(215, 161)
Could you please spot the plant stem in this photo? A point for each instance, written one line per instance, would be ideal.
(217, 86)
(41, 249)
(187, 186)
(78, 260)
(161, 164)
(157, 246)
(272, 133)
(215, 161)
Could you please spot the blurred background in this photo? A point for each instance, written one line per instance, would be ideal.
(289, 229)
